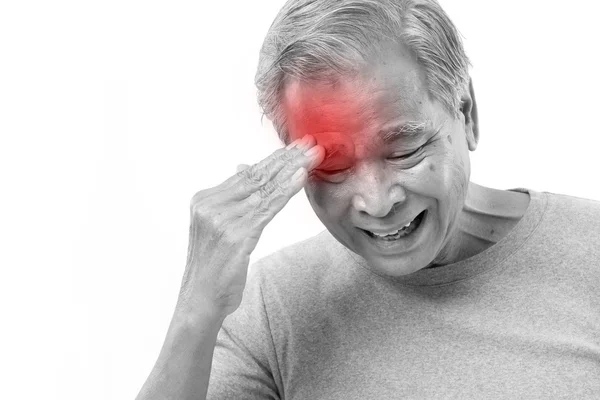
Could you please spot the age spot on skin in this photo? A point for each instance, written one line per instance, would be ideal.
(432, 167)
(449, 139)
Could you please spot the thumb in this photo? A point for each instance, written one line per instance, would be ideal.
(241, 167)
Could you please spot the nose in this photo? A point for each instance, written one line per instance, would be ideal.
(376, 193)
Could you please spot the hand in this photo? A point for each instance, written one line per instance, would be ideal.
(227, 221)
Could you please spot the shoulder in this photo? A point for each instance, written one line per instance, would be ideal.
(572, 224)
(574, 209)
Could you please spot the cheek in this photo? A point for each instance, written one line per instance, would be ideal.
(442, 174)
(315, 196)
(450, 168)
(327, 200)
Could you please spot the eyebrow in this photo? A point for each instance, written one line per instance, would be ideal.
(407, 130)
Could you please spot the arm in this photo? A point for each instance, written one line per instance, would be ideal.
(225, 224)
(182, 370)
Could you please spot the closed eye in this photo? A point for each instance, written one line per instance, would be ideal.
(330, 175)
(331, 171)
(404, 156)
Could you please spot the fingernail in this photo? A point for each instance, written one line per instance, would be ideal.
(293, 144)
(306, 142)
(298, 175)
(313, 151)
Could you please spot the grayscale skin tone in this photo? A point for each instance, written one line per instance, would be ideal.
(378, 191)
(227, 220)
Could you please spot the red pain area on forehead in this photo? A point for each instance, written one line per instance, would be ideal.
(339, 151)
(337, 116)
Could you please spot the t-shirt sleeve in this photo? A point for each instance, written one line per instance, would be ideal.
(244, 361)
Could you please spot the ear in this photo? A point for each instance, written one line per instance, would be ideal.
(468, 107)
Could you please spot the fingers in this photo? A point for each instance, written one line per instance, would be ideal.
(273, 197)
(256, 211)
(296, 148)
(270, 198)
(248, 201)
(255, 177)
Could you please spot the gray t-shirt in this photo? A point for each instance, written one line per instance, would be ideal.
(520, 320)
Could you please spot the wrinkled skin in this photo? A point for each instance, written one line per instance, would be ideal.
(363, 184)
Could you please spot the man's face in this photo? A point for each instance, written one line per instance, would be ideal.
(377, 181)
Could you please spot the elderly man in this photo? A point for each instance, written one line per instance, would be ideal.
(424, 285)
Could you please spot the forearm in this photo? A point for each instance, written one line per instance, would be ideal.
(182, 370)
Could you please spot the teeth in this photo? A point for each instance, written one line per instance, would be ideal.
(393, 232)
(386, 234)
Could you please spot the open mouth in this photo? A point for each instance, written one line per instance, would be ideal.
(400, 233)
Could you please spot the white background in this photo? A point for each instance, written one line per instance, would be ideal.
(114, 113)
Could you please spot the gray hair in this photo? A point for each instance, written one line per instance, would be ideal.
(322, 40)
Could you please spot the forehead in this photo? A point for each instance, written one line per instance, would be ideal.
(385, 92)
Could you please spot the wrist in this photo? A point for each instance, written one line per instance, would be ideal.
(203, 316)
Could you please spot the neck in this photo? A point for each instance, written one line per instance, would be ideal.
(493, 203)
(486, 217)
